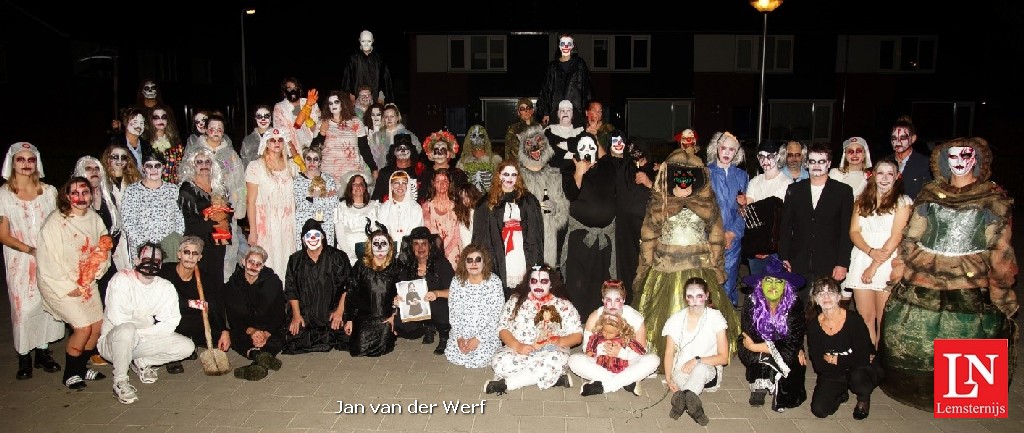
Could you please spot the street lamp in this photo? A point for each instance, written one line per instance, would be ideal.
(765, 7)
(245, 84)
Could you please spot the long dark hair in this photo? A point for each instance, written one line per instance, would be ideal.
(522, 291)
(463, 212)
(698, 281)
(349, 198)
(868, 203)
(63, 203)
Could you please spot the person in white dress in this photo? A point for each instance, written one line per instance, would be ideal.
(474, 310)
(854, 166)
(24, 203)
(351, 214)
(399, 211)
(880, 214)
(271, 201)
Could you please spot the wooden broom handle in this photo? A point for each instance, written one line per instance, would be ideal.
(206, 316)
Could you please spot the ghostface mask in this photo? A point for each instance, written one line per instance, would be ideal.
(586, 149)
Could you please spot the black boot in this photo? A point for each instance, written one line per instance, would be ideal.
(44, 360)
(442, 341)
(24, 367)
(74, 373)
(428, 336)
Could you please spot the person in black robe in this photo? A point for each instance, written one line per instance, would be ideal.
(370, 304)
(588, 254)
(634, 175)
(201, 179)
(255, 306)
(423, 257)
(366, 67)
(183, 276)
(402, 155)
(315, 285)
(567, 78)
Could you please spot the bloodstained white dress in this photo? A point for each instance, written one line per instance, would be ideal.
(32, 326)
(273, 219)
(541, 367)
(64, 243)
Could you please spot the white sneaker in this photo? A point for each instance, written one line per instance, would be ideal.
(125, 392)
(147, 375)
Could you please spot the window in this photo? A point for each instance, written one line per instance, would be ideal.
(778, 54)
(657, 120)
(907, 54)
(477, 53)
(622, 53)
(807, 121)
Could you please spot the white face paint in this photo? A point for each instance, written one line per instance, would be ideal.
(199, 121)
(402, 152)
(540, 284)
(92, 172)
(118, 159)
(439, 153)
(376, 117)
(159, 119)
(586, 149)
(313, 240)
(565, 115)
(613, 303)
(366, 41)
(149, 90)
(215, 131)
(818, 164)
(768, 161)
(565, 46)
(25, 162)
(854, 154)
(961, 160)
(380, 246)
(727, 152)
(901, 139)
(263, 118)
(618, 146)
(474, 264)
(695, 296)
(153, 170)
(137, 124)
(334, 104)
(508, 178)
(476, 135)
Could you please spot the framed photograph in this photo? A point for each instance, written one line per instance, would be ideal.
(413, 307)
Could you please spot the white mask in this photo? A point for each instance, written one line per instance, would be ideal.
(366, 41)
(618, 146)
(137, 124)
(961, 160)
(566, 45)
(380, 246)
(476, 135)
(334, 104)
(263, 118)
(565, 114)
(200, 122)
(149, 90)
(313, 240)
(586, 149)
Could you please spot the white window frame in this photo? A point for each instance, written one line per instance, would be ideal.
(755, 54)
(468, 53)
(610, 40)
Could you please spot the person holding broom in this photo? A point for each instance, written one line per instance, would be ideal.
(183, 276)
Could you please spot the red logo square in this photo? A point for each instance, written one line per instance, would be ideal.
(971, 378)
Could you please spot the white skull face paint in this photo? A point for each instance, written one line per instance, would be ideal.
(263, 118)
(508, 175)
(334, 104)
(586, 149)
(961, 160)
(476, 135)
(313, 240)
(402, 151)
(199, 120)
(380, 246)
(215, 131)
(618, 146)
(159, 119)
(366, 41)
(153, 170)
(818, 164)
(540, 284)
(565, 46)
(376, 117)
(439, 153)
(137, 125)
(149, 90)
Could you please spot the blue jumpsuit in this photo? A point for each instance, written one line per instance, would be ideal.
(727, 183)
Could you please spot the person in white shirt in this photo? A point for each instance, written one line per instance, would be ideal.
(138, 325)
(398, 211)
(762, 206)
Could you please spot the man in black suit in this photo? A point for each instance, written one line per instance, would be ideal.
(814, 235)
(915, 167)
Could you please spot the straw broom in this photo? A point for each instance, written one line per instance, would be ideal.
(215, 362)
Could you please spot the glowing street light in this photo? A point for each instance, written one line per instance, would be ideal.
(765, 7)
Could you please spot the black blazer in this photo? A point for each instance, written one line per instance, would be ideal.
(815, 240)
(916, 173)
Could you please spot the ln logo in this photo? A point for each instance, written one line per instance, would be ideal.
(971, 378)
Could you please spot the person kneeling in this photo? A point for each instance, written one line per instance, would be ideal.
(255, 310)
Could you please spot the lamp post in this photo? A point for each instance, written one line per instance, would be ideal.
(245, 84)
(765, 7)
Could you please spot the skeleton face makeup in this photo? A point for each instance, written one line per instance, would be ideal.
(380, 246)
(884, 177)
(364, 98)
(334, 104)
(695, 296)
(565, 46)
(313, 240)
(901, 139)
(618, 146)
(153, 170)
(439, 153)
(540, 284)
(263, 118)
(818, 164)
(215, 131)
(767, 161)
(961, 160)
(402, 151)
(80, 196)
(476, 135)
(137, 125)
(159, 119)
(586, 149)
(376, 117)
(390, 118)
(509, 174)
(149, 90)
(366, 41)
(199, 121)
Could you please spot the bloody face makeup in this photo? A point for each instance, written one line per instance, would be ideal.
(159, 117)
(901, 139)
(263, 118)
(25, 162)
(80, 196)
(380, 246)
(854, 154)
(594, 112)
(767, 161)
(137, 125)
(961, 160)
(613, 302)
(508, 176)
(215, 131)
(534, 146)
(540, 284)
(441, 185)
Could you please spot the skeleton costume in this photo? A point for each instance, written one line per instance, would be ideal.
(857, 179)
(727, 183)
(681, 237)
(370, 302)
(479, 161)
(588, 252)
(317, 286)
(958, 271)
(563, 139)
(366, 67)
(544, 181)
